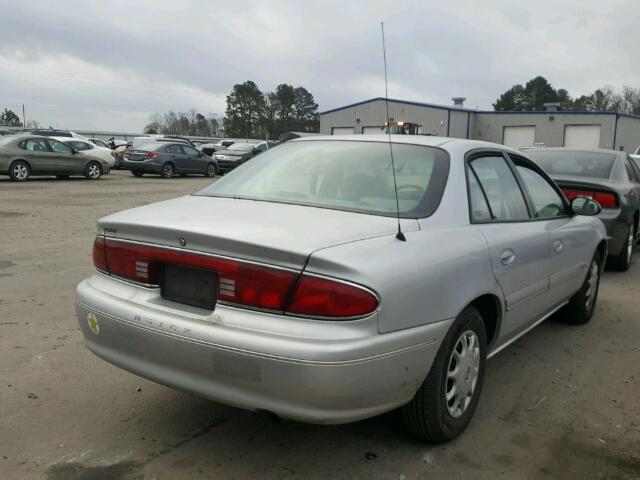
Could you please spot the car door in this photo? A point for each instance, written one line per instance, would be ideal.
(39, 155)
(192, 160)
(178, 158)
(518, 245)
(66, 161)
(570, 236)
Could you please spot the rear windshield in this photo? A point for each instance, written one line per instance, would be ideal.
(576, 163)
(345, 175)
(243, 147)
(151, 146)
(6, 139)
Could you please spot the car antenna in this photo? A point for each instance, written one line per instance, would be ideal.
(399, 235)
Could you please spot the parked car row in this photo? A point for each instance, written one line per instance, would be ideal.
(165, 155)
(24, 155)
(320, 285)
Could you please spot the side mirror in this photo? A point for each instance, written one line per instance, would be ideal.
(585, 206)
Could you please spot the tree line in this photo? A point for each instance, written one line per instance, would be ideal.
(252, 113)
(184, 123)
(536, 92)
(249, 113)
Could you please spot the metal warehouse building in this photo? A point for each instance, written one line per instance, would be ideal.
(551, 128)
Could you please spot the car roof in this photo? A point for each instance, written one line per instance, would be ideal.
(446, 143)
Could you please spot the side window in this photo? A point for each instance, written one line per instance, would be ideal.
(174, 149)
(547, 202)
(34, 145)
(479, 208)
(500, 187)
(58, 147)
(189, 151)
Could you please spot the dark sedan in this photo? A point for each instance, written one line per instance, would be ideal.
(237, 154)
(22, 156)
(607, 176)
(168, 159)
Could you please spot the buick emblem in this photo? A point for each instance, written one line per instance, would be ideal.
(182, 242)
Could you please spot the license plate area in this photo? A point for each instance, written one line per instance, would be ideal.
(189, 285)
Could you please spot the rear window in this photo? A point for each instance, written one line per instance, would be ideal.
(6, 139)
(345, 175)
(574, 163)
(243, 147)
(151, 146)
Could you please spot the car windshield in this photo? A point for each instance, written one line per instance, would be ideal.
(345, 175)
(574, 162)
(243, 147)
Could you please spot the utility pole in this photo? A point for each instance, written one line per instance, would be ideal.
(24, 119)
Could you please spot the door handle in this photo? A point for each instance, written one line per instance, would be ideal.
(558, 246)
(507, 256)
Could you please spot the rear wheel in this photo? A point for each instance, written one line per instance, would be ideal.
(93, 171)
(168, 170)
(211, 170)
(582, 305)
(19, 171)
(137, 174)
(622, 261)
(443, 406)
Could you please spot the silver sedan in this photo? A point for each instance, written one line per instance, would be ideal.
(307, 285)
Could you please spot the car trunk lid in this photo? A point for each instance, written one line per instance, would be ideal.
(266, 232)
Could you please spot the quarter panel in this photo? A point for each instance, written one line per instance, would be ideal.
(430, 277)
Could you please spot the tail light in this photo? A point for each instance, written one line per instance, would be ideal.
(321, 297)
(239, 282)
(150, 155)
(605, 199)
(99, 259)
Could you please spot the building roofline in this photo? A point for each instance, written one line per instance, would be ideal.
(486, 112)
(395, 100)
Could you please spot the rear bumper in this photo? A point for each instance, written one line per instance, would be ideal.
(310, 371)
(227, 165)
(141, 166)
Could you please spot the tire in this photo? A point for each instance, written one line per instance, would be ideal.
(93, 171)
(212, 170)
(19, 171)
(168, 170)
(622, 261)
(582, 305)
(62, 177)
(137, 174)
(429, 414)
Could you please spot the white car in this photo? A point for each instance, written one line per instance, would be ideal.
(88, 148)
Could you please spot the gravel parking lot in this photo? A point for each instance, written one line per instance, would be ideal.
(562, 402)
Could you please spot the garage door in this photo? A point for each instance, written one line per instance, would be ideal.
(372, 130)
(341, 130)
(521, 136)
(582, 136)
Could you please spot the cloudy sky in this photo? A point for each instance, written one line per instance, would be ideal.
(109, 65)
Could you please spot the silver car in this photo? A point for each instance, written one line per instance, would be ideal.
(302, 286)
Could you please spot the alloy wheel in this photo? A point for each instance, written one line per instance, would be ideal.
(20, 171)
(630, 244)
(211, 170)
(462, 373)
(167, 170)
(93, 170)
(592, 282)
